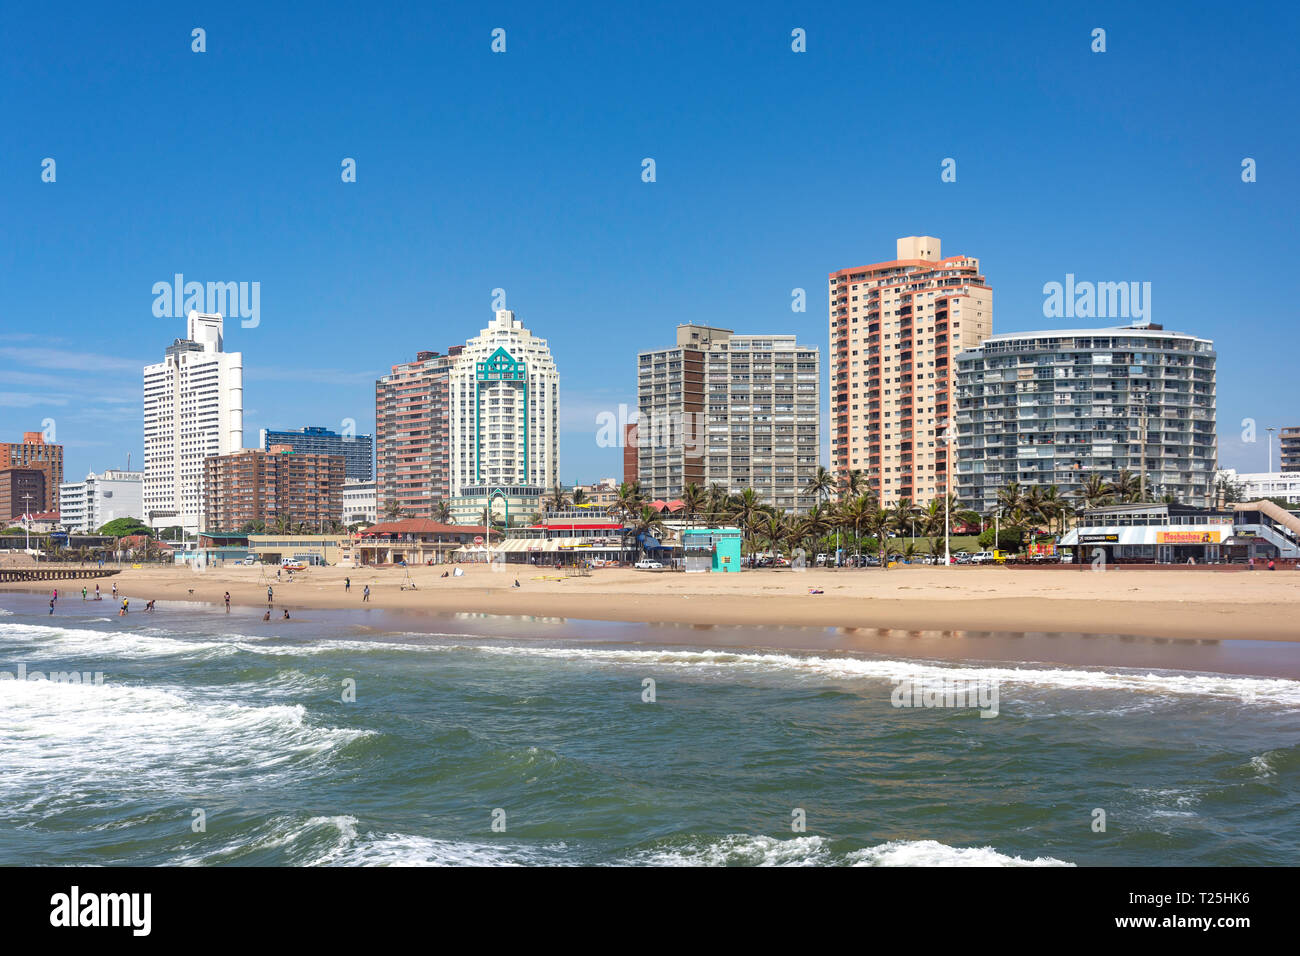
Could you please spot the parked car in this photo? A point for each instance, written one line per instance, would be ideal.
(648, 565)
(982, 557)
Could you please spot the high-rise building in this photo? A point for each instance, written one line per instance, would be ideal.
(412, 435)
(267, 486)
(22, 491)
(740, 411)
(193, 408)
(895, 329)
(505, 418)
(89, 505)
(1056, 407)
(1289, 439)
(35, 452)
(357, 450)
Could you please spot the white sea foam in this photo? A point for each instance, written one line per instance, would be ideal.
(747, 850)
(933, 853)
(60, 740)
(1260, 690)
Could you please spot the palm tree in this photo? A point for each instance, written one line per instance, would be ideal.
(902, 514)
(392, 510)
(747, 511)
(818, 521)
(1127, 486)
(627, 504)
(717, 505)
(773, 527)
(854, 514)
(1095, 492)
(282, 523)
(1031, 502)
(693, 498)
(878, 524)
(1055, 507)
(647, 522)
(1011, 499)
(823, 484)
(853, 484)
(579, 497)
(442, 512)
(558, 500)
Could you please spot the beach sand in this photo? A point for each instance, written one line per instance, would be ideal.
(1189, 603)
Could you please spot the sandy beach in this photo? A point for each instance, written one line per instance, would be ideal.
(1181, 603)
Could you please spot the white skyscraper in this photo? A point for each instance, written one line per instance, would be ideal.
(193, 408)
(504, 397)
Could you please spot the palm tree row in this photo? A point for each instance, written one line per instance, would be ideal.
(855, 513)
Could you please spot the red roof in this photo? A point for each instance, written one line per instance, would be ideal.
(421, 526)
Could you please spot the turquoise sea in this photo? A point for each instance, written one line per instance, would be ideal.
(216, 738)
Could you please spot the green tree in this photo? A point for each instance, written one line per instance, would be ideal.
(121, 527)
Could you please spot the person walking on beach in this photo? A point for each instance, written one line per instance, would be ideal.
(1252, 564)
(227, 602)
(83, 592)
(347, 585)
(269, 594)
(114, 590)
(51, 605)
(1271, 566)
(97, 596)
(56, 594)
(365, 595)
(125, 603)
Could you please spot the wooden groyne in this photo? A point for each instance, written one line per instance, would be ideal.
(53, 574)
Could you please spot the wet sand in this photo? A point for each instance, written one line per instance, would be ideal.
(1190, 604)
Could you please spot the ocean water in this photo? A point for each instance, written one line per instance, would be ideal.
(540, 725)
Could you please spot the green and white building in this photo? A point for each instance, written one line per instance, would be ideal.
(504, 398)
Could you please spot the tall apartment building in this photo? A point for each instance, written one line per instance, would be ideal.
(1289, 439)
(412, 434)
(21, 492)
(1054, 407)
(257, 485)
(90, 504)
(741, 411)
(505, 415)
(895, 329)
(357, 450)
(35, 452)
(193, 408)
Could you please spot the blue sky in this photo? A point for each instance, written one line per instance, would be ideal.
(522, 171)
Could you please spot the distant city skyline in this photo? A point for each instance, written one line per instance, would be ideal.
(761, 189)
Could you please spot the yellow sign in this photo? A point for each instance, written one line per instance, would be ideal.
(1188, 537)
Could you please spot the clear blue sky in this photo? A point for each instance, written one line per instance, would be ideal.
(522, 170)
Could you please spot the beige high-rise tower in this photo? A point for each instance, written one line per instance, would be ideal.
(895, 328)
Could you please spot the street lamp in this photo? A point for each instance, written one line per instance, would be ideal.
(1270, 429)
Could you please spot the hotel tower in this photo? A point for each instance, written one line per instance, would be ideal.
(895, 329)
(504, 400)
(193, 408)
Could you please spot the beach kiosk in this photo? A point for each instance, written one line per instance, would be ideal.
(712, 549)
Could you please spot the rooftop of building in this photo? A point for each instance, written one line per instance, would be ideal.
(420, 526)
(1152, 330)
